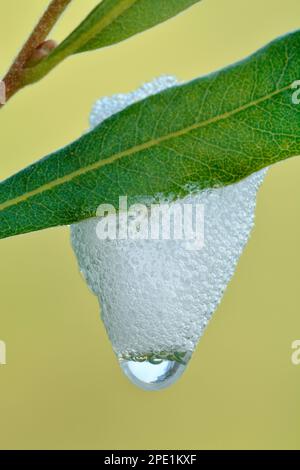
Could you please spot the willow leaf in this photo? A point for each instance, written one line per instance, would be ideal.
(139, 16)
(110, 22)
(209, 132)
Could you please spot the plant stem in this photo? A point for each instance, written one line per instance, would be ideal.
(13, 78)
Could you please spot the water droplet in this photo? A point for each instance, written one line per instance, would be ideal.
(155, 373)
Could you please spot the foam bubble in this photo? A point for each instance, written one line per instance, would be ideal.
(155, 295)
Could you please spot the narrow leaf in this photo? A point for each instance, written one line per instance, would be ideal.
(210, 132)
(110, 22)
(139, 16)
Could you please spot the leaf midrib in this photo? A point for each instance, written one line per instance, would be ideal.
(138, 148)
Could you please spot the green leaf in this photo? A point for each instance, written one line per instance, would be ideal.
(210, 132)
(139, 16)
(110, 22)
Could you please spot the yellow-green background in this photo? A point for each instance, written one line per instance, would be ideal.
(62, 386)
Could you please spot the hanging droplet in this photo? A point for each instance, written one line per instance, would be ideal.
(157, 296)
(155, 372)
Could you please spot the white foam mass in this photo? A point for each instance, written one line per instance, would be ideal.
(156, 295)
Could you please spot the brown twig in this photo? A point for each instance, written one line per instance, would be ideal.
(13, 79)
